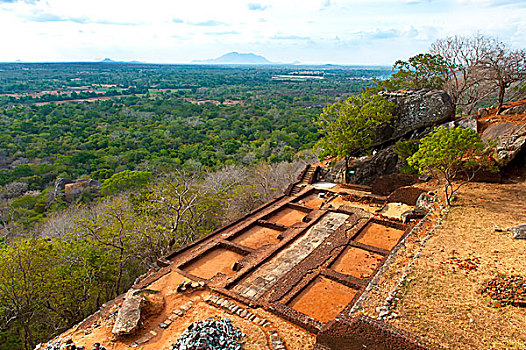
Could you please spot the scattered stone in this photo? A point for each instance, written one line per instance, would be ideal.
(506, 290)
(210, 334)
(519, 231)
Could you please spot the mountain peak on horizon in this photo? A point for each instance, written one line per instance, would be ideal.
(235, 57)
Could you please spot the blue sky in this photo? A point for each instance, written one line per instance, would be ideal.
(310, 31)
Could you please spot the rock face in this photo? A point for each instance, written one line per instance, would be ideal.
(466, 123)
(60, 184)
(416, 109)
(519, 231)
(367, 169)
(136, 303)
(510, 138)
(407, 194)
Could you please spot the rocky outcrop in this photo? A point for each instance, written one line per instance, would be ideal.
(365, 170)
(60, 184)
(426, 202)
(129, 314)
(415, 110)
(510, 140)
(466, 123)
(407, 194)
(71, 190)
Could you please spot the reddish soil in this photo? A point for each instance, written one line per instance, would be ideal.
(323, 299)
(380, 236)
(258, 236)
(287, 216)
(214, 261)
(357, 262)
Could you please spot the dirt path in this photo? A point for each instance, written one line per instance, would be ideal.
(441, 302)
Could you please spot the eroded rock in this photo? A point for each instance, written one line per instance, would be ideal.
(137, 303)
(425, 202)
(415, 110)
(510, 139)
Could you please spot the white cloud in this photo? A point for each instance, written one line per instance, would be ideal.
(367, 31)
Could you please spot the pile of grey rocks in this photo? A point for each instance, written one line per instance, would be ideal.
(210, 334)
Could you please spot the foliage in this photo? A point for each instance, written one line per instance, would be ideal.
(451, 155)
(423, 71)
(125, 180)
(404, 150)
(349, 128)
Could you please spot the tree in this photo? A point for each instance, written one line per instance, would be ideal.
(462, 56)
(451, 155)
(504, 67)
(125, 180)
(423, 71)
(348, 128)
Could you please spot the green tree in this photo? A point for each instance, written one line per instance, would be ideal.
(125, 180)
(423, 71)
(453, 156)
(349, 128)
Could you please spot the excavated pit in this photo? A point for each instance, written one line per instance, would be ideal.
(323, 299)
(258, 236)
(214, 261)
(380, 236)
(287, 216)
(357, 262)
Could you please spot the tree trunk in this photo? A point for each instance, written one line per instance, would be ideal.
(346, 170)
(500, 100)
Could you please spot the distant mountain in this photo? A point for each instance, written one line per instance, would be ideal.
(109, 60)
(236, 58)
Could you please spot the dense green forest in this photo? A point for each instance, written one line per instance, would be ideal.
(176, 151)
(163, 118)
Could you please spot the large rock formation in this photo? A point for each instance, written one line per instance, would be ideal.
(415, 110)
(365, 170)
(510, 139)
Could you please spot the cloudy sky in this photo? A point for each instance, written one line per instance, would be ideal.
(309, 31)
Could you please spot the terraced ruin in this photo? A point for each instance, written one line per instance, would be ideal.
(291, 269)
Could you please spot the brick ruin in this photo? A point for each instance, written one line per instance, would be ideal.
(306, 257)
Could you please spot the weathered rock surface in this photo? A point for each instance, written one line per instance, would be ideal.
(367, 169)
(60, 184)
(510, 138)
(136, 303)
(129, 315)
(519, 231)
(425, 202)
(385, 185)
(407, 194)
(416, 109)
(466, 123)
(515, 110)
